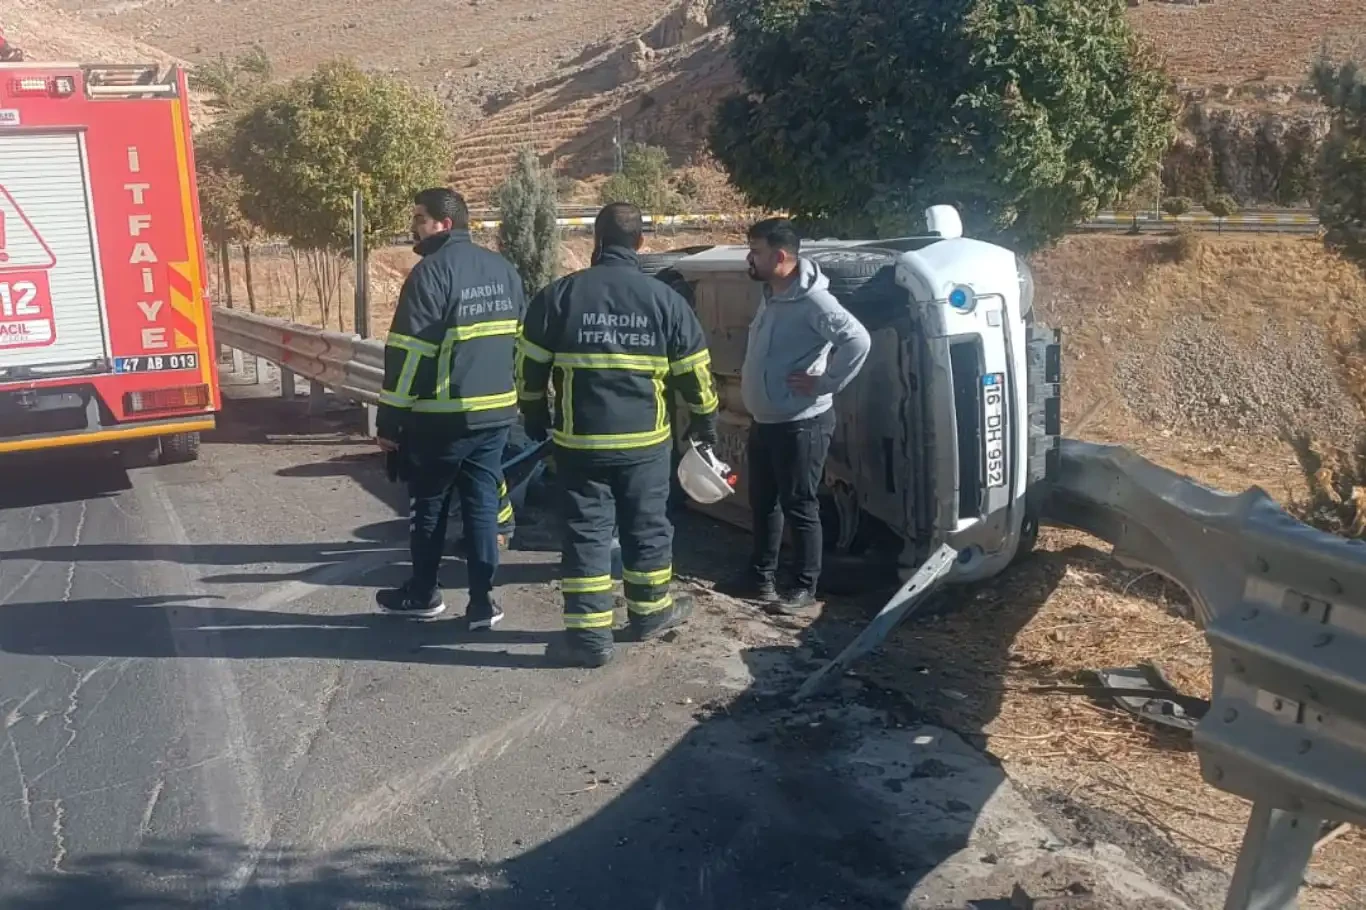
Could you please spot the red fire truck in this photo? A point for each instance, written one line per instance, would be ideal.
(105, 329)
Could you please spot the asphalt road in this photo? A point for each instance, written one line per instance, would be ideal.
(201, 708)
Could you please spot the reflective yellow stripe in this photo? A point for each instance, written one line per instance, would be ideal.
(646, 607)
(483, 329)
(588, 620)
(443, 368)
(708, 390)
(653, 577)
(566, 407)
(661, 403)
(462, 405)
(403, 397)
(646, 362)
(502, 488)
(506, 515)
(534, 351)
(519, 359)
(595, 584)
(411, 344)
(690, 363)
(611, 441)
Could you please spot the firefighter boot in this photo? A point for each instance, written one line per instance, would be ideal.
(652, 625)
(581, 648)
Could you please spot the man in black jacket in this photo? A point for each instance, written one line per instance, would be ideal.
(612, 342)
(449, 400)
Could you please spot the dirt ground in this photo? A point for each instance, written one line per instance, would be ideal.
(985, 666)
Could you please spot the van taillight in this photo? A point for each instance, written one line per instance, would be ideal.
(177, 399)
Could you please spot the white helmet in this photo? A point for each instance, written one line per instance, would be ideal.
(704, 477)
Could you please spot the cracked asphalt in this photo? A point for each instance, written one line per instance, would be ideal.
(201, 708)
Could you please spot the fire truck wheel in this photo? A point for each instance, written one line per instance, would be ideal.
(179, 447)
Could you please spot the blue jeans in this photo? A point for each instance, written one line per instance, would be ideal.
(439, 468)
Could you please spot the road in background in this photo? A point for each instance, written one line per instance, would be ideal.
(202, 708)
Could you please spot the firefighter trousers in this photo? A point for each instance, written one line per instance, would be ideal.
(598, 495)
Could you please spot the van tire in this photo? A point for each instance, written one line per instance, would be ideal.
(178, 448)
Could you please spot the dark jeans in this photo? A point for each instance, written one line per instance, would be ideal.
(439, 468)
(786, 462)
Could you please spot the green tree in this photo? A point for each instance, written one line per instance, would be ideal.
(643, 180)
(229, 87)
(304, 147)
(1028, 115)
(1177, 206)
(528, 204)
(1221, 206)
(1342, 163)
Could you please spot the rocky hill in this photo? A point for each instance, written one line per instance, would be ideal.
(569, 75)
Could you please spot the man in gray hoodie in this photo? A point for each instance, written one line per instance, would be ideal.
(803, 348)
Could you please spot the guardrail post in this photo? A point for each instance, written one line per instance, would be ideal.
(371, 420)
(288, 390)
(317, 397)
(1276, 851)
(239, 361)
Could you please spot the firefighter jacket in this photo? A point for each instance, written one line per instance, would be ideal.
(612, 341)
(448, 357)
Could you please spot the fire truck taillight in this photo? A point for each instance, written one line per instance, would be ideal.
(58, 86)
(29, 85)
(177, 399)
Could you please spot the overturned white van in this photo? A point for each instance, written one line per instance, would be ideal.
(952, 422)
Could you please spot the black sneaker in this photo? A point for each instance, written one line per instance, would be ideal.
(483, 613)
(748, 586)
(400, 602)
(798, 602)
(572, 651)
(655, 625)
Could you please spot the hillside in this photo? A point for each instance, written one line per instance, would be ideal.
(559, 73)
(46, 33)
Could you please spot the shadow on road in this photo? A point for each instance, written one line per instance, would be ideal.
(48, 478)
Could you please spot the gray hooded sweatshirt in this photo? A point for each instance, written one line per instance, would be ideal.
(803, 329)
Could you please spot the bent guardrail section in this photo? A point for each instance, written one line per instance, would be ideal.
(1284, 609)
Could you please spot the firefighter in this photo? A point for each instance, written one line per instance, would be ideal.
(612, 342)
(449, 401)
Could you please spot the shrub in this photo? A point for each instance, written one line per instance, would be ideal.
(527, 208)
(1177, 205)
(644, 181)
(1221, 206)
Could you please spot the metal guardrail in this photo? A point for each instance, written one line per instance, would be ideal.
(350, 366)
(1284, 610)
(1283, 607)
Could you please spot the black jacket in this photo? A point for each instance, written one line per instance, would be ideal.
(448, 357)
(611, 340)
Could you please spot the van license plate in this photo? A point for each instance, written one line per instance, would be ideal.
(994, 428)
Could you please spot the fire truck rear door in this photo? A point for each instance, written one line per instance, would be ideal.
(52, 314)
